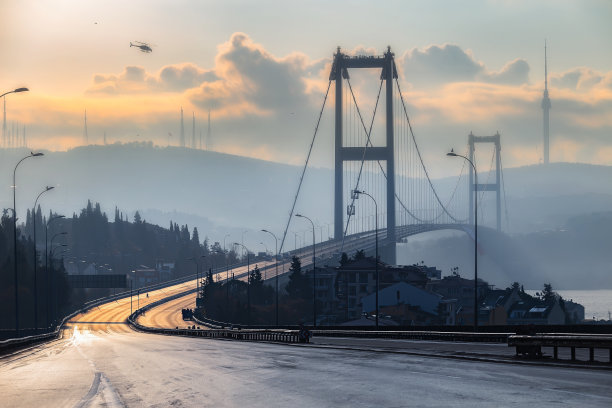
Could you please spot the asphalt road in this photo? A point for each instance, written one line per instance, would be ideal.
(102, 362)
(114, 369)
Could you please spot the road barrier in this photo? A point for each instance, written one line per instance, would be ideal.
(531, 345)
(279, 336)
(416, 335)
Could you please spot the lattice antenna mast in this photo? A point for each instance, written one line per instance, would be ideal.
(208, 134)
(193, 140)
(85, 135)
(182, 137)
(4, 136)
(546, 109)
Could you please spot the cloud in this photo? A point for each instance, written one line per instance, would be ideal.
(251, 80)
(264, 105)
(134, 79)
(582, 79)
(515, 73)
(442, 64)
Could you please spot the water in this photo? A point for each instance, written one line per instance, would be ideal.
(597, 303)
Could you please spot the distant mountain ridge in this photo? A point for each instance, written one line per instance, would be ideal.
(226, 192)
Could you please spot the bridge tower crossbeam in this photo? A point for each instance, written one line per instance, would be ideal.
(339, 71)
(495, 139)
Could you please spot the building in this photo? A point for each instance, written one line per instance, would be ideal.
(405, 303)
(460, 290)
(536, 311)
(574, 312)
(165, 269)
(340, 290)
(143, 276)
(495, 305)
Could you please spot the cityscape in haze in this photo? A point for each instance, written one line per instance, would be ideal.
(404, 190)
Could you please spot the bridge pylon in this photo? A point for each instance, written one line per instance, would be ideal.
(495, 139)
(339, 71)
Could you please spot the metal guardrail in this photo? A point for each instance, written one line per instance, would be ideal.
(531, 345)
(280, 336)
(416, 335)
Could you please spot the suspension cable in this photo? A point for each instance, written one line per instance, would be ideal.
(314, 136)
(365, 148)
(421, 158)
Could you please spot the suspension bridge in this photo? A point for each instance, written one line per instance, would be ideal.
(376, 152)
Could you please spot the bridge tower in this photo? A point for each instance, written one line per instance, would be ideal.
(339, 71)
(472, 140)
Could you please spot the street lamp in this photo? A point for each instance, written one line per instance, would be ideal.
(197, 276)
(276, 270)
(314, 272)
(46, 263)
(32, 154)
(248, 284)
(36, 259)
(453, 154)
(15, 91)
(356, 194)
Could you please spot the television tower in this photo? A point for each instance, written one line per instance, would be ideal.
(546, 109)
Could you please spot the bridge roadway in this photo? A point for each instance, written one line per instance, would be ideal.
(101, 362)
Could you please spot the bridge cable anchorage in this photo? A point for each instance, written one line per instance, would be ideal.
(421, 158)
(363, 155)
(314, 136)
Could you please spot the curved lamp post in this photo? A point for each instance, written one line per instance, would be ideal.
(32, 154)
(47, 272)
(276, 270)
(356, 194)
(314, 273)
(248, 284)
(453, 154)
(197, 275)
(15, 91)
(36, 259)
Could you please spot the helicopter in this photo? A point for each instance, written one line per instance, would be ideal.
(144, 47)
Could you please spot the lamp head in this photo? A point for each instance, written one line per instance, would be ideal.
(263, 230)
(36, 154)
(452, 153)
(298, 215)
(63, 233)
(21, 90)
(49, 188)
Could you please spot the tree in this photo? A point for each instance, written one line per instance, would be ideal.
(137, 218)
(294, 286)
(548, 294)
(360, 254)
(256, 279)
(344, 259)
(299, 285)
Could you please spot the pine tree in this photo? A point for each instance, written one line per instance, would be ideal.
(296, 288)
(256, 279)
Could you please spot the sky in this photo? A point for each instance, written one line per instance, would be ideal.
(261, 68)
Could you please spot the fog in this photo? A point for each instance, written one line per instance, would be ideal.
(556, 224)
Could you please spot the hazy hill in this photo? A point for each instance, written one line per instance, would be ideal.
(221, 193)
